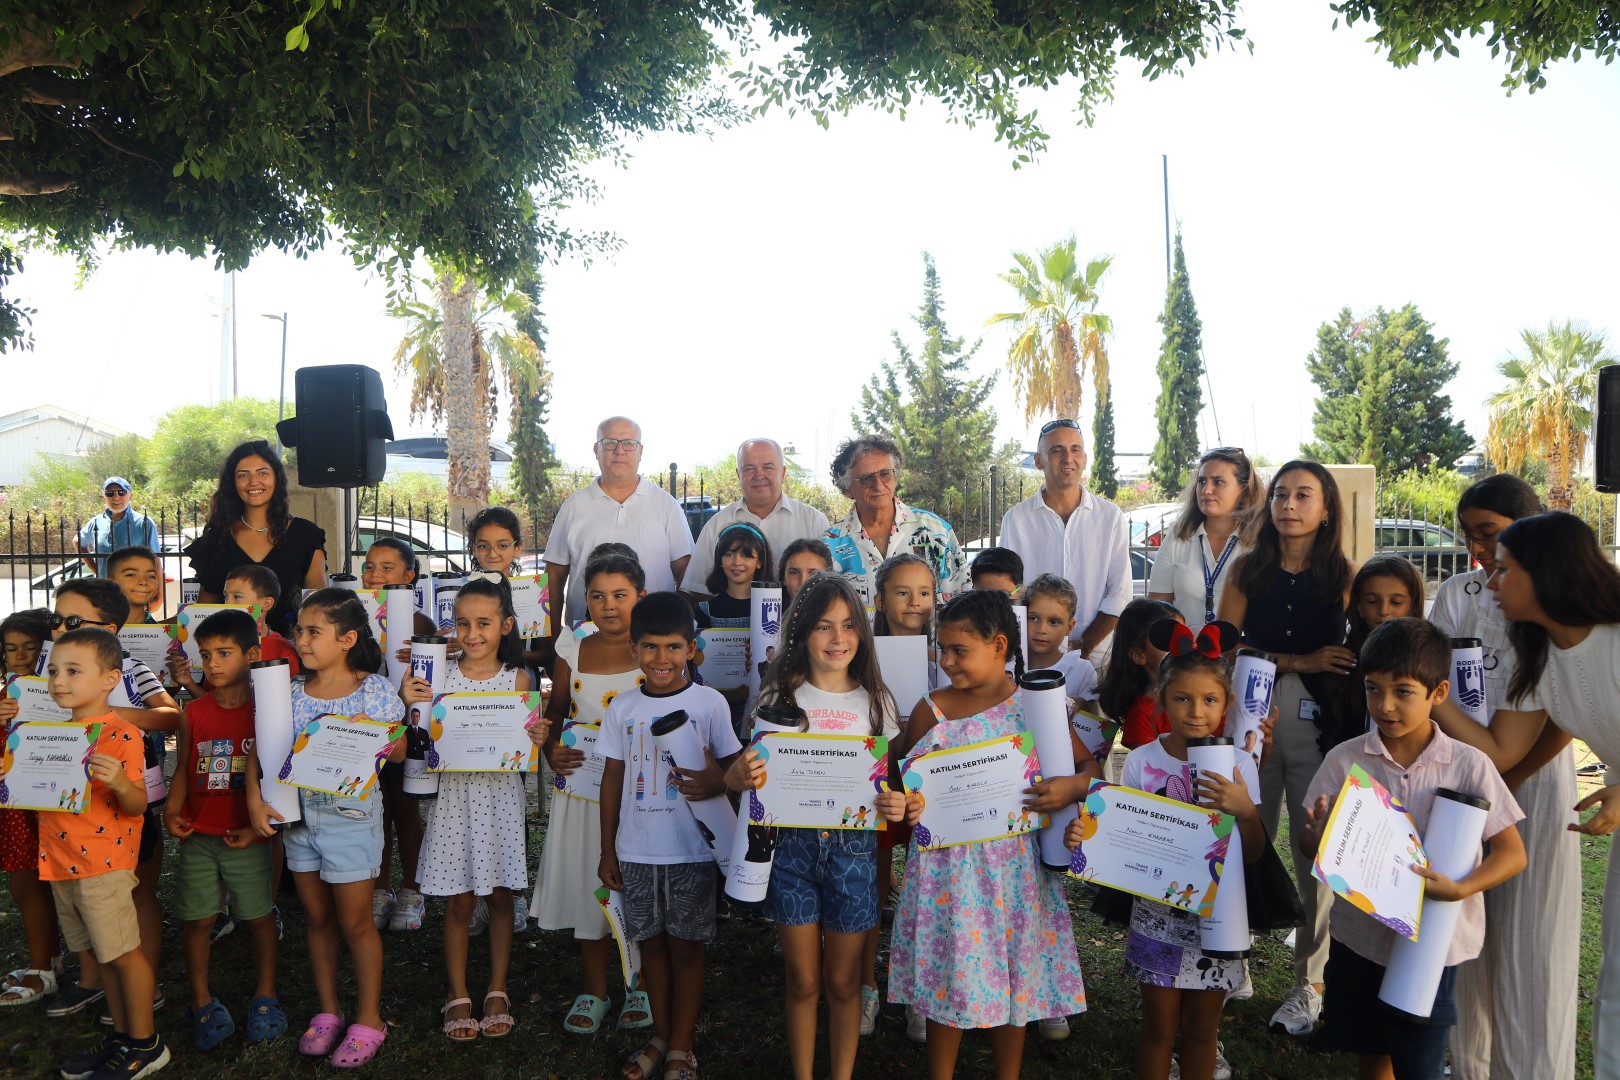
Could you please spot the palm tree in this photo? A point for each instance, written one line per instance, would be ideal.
(1059, 334)
(1547, 405)
(463, 351)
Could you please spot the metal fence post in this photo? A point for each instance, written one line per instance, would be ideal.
(995, 492)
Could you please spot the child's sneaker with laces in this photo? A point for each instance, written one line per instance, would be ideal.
(408, 911)
(520, 913)
(480, 918)
(83, 1065)
(1298, 1013)
(382, 907)
(133, 1062)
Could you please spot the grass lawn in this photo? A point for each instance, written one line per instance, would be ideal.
(739, 1035)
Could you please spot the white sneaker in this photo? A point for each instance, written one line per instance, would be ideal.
(1223, 1071)
(408, 911)
(382, 906)
(1298, 1013)
(916, 1025)
(1245, 990)
(1054, 1028)
(520, 913)
(480, 918)
(869, 1009)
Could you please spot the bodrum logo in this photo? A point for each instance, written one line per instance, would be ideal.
(1470, 674)
(1257, 692)
(770, 616)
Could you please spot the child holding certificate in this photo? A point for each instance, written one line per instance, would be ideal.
(475, 840)
(590, 673)
(23, 633)
(652, 849)
(334, 855)
(1001, 952)
(742, 556)
(823, 892)
(1405, 665)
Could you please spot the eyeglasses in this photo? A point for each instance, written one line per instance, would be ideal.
(73, 622)
(1052, 425)
(502, 546)
(885, 477)
(629, 446)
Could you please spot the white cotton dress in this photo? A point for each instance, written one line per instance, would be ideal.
(475, 841)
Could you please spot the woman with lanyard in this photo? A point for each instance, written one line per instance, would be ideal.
(1218, 514)
(1559, 593)
(1289, 597)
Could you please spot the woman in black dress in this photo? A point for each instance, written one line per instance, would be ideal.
(249, 521)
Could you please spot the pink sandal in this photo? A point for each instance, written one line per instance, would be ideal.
(360, 1045)
(321, 1035)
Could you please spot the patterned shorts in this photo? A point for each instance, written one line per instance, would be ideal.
(826, 876)
(675, 899)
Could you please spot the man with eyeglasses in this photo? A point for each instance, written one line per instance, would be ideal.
(619, 505)
(120, 525)
(1064, 529)
(782, 519)
(867, 469)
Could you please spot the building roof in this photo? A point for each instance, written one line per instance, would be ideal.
(24, 417)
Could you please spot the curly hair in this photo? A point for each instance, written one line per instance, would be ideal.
(852, 450)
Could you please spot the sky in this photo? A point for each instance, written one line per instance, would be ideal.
(763, 269)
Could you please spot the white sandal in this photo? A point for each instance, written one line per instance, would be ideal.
(454, 1028)
(15, 993)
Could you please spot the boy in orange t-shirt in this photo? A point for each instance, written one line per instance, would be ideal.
(89, 858)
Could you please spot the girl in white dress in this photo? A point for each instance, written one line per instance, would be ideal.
(590, 672)
(474, 846)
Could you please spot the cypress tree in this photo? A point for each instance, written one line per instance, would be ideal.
(1104, 474)
(1180, 367)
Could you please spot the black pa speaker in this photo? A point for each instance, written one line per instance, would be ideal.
(341, 428)
(1608, 429)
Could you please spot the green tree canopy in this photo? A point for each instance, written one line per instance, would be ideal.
(1104, 471)
(1379, 379)
(1181, 398)
(185, 453)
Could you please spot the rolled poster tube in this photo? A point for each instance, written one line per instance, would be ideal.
(1254, 676)
(1225, 934)
(753, 842)
(399, 626)
(1468, 678)
(429, 657)
(273, 736)
(678, 739)
(1046, 715)
(1452, 842)
(764, 627)
(446, 583)
(344, 581)
(190, 590)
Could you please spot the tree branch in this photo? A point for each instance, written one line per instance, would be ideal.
(37, 48)
(40, 184)
(92, 129)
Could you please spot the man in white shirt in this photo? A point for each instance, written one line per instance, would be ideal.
(619, 505)
(1066, 530)
(782, 519)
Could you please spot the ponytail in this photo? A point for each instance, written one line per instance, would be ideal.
(347, 614)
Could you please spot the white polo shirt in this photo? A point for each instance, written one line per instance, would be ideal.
(1091, 550)
(650, 521)
(790, 520)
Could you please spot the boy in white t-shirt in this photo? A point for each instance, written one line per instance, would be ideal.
(652, 849)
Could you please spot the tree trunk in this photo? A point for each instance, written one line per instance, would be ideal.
(1559, 493)
(466, 422)
(1066, 380)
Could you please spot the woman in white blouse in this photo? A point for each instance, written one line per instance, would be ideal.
(1217, 524)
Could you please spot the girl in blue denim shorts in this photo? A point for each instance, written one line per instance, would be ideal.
(335, 852)
(823, 890)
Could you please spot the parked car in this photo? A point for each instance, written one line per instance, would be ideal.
(42, 588)
(1149, 523)
(1434, 549)
(427, 454)
(438, 547)
(698, 509)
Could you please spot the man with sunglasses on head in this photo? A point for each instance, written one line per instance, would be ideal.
(120, 525)
(619, 505)
(1064, 529)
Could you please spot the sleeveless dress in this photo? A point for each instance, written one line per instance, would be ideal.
(474, 841)
(983, 936)
(565, 894)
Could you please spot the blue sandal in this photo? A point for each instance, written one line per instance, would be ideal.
(265, 1020)
(211, 1025)
(635, 1001)
(591, 1009)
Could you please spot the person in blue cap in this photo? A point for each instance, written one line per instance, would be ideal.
(118, 526)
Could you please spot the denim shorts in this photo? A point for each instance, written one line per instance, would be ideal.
(339, 838)
(1358, 1023)
(825, 876)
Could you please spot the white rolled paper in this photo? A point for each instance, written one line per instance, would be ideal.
(1225, 934)
(273, 736)
(399, 626)
(678, 739)
(764, 626)
(1254, 676)
(190, 591)
(429, 657)
(1046, 716)
(424, 595)
(903, 661)
(753, 845)
(1452, 842)
(445, 586)
(1468, 678)
(344, 581)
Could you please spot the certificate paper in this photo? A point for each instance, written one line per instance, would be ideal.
(182, 632)
(148, 643)
(822, 781)
(34, 701)
(584, 782)
(46, 766)
(974, 793)
(482, 731)
(1160, 849)
(629, 949)
(725, 658)
(339, 755)
(529, 594)
(904, 664)
(1367, 852)
(1096, 734)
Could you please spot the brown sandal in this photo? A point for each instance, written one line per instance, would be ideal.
(648, 1058)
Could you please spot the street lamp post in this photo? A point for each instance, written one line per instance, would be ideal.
(281, 399)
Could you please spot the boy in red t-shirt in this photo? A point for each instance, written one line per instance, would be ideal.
(89, 858)
(207, 813)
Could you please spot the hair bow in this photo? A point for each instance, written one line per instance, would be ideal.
(1177, 638)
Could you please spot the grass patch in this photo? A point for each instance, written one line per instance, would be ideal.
(739, 1034)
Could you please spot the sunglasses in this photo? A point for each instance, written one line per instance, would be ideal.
(115, 492)
(1052, 425)
(73, 622)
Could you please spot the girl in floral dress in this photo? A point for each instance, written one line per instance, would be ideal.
(983, 937)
